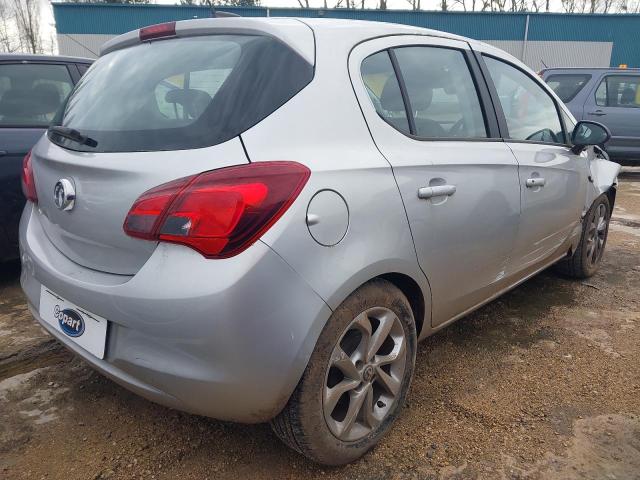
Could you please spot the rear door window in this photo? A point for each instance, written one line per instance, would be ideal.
(567, 86)
(619, 91)
(31, 94)
(182, 93)
(442, 95)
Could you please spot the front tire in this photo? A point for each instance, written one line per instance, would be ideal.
(595, 229)
(357, 379)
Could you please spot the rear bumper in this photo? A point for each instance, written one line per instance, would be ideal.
(227, 338)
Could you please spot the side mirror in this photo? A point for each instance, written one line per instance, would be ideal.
(587, 134)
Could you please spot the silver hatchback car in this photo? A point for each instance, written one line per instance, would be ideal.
(257, 219)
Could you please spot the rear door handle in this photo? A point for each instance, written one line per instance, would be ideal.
(535, 182)
(597, 113)
(437, 191)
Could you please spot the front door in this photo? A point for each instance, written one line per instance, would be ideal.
(553, 180)
(458, 181)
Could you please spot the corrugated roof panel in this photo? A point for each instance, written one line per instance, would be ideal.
(621, 30)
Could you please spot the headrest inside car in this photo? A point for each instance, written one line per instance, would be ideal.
(23, 103)
(193, 101)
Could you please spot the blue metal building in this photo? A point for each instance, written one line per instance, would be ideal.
(539, 39)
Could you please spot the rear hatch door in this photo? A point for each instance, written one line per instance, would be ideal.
(106, 186)
(148, 114)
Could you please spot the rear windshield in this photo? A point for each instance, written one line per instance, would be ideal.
(181, 93)
(567, 86)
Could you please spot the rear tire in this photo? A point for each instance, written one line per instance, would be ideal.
(357, 379)
(595, 229)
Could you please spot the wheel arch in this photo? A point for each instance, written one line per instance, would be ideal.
(410, 289)
(413, 284)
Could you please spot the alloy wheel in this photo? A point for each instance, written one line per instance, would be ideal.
(365, 374)
(597, 234)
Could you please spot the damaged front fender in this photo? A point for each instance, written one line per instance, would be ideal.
(603, 175)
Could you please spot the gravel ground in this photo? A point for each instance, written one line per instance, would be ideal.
(543, 383)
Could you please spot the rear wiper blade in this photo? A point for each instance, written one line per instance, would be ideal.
(74, 135)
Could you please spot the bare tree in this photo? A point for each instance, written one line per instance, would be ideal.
(629, 6)
(535, 6)
(467, 5)
(607, 5)
(27, 18)
(7, 43)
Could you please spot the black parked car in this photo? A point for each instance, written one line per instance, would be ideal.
(32, 87)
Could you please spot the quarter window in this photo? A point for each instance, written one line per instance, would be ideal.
(567, 86)
(529, 110)
(383, 89)
(619, 91)
(442, 95)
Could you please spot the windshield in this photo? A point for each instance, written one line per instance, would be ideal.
(567, 86)
(181, 93)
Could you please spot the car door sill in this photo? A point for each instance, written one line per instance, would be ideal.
(498, 294)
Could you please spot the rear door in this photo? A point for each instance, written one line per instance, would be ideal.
(553, 180)
(458, 181)
(30, 94)
(615, 102)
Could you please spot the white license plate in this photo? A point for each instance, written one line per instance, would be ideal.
(85, 328)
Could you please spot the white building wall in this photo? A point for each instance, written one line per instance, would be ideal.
(81, 45)
(558, 54)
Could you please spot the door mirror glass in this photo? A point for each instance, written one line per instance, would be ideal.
(587, 134)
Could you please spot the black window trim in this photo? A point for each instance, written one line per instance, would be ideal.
(72, 76)
(603, 79)
(588, 76)
(502, 120)
(482, 92)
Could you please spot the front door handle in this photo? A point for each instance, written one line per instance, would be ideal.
(437, 191)
(535, 182)
(597, 113)
(3, 153)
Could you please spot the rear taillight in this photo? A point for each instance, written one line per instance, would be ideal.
(219, 213)
(28, 181)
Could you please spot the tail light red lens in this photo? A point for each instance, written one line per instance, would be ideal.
(158, 31)
(28, 181)
(219, 213)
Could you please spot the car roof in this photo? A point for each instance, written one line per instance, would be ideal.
(293, 31)
(369, 29)
(29, 57)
